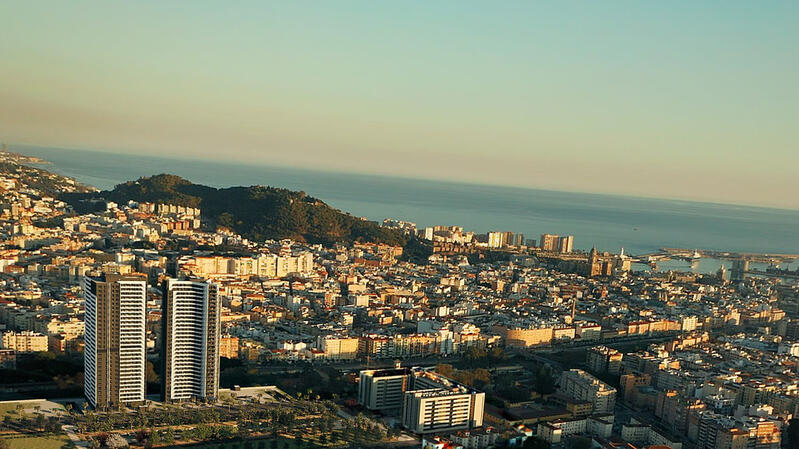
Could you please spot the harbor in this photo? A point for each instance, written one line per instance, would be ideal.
(710, 261)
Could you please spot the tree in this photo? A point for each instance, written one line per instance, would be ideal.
(535, 443)
(142, 435)
(52, 425)
(445, 370)
(116, 440)
(580, 443)
(475, 354)
(169, 436)
(792, 434)
(496, 353)
(149, 373)
(544, 380)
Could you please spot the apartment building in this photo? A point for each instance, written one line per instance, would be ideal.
(425, 401)
(190, 340)
(581, 385)
(114, 339)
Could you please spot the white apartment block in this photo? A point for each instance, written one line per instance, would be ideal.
(581, 385)
(425, 401)
(190, 340)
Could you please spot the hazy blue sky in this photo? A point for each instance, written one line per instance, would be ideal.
(680, 99)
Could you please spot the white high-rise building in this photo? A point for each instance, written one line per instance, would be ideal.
(496, 239)
(190, 340)
(566, 244)
(549, 242)
(114, 339)
(383, 389)
(442, 410)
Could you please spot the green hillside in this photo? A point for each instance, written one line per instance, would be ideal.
(256, 212)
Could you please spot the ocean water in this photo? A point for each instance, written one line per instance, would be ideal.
(609, 222)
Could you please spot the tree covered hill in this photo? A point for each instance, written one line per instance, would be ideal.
(256, 212)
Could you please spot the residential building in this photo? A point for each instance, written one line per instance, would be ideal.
(114, 339)
(25, 341)
(425, 401)
(550, 242)
(190, 343)
(229, 347)
(581, 385)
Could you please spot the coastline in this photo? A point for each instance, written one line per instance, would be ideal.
(639, 225)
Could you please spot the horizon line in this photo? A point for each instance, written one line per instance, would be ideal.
(396, 176)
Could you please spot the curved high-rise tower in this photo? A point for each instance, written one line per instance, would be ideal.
(115, 339)
(190, 340)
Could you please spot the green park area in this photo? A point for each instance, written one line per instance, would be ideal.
(34, 442)
(270, 443)
(22, 420)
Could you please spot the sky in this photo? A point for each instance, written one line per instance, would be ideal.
(679, 99)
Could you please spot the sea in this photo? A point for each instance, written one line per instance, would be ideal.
(607, 222)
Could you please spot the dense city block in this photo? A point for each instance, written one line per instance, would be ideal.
(164, 313)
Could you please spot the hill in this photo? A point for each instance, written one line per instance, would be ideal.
(12, 165)
(256, 212)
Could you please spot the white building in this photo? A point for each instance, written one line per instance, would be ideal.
(475, 439)
(496, 239)
(553, 432)
(442, 410)
(425, 401)
(643, 434)
(581, 385)
(383, 389)
(190, 340)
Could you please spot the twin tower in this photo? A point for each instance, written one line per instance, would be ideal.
(115, 340)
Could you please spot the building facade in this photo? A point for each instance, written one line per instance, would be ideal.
(114, 353)
(25, 341)
(190, 340)
(425, 401)
(580, 385)
(550, 242)
(382, 390)
(442, 410)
